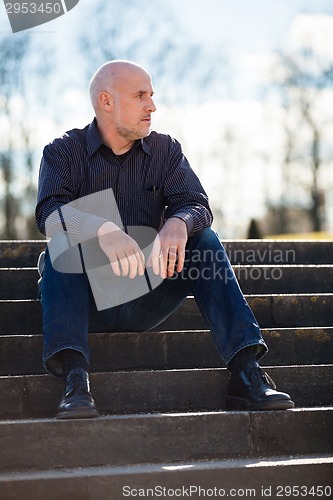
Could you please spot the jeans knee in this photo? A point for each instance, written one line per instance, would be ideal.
(207, 238)
(206, 247)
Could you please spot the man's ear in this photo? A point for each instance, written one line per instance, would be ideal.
(106, 101)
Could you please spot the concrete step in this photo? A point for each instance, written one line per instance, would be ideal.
(162, 393)
(255, 279)
(165, 350)
(32, 396)
(20, 253)
(21, 283)
(245, 477)
(163, 438)
(272, 311)
(279, 252)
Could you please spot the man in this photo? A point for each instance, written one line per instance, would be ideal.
(153, 186)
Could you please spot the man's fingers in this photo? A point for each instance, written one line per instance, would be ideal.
(125, 255)
(133, 265)
(123, 264)
(172, 260)
(154, 257)
(167, 255)
(115, 266)
(141, 262)
(163, 263)
(158, 264)
(181, 260)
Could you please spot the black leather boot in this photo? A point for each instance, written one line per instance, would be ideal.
(77, 401)
(253, 389)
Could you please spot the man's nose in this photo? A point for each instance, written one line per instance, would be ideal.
(151, 105)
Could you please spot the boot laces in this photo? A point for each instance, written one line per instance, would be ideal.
(77, 383)
(257, 375)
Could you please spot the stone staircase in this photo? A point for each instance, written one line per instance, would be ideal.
(164, 432)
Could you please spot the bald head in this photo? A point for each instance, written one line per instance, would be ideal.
(109, 76)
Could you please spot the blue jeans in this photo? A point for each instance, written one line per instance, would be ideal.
(69, 310)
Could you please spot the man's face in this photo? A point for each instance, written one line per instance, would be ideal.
(133, 105)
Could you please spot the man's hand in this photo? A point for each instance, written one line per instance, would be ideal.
(169, 245)
(125, 255)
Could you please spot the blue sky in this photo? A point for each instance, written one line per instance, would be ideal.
(243, 27)
(250, 24)
(254, 24)
(238, 27)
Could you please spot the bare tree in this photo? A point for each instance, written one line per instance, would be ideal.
(13, 51)
(303, 79)
(152, 37)
(22, 70)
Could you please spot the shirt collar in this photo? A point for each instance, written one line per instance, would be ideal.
(93, 138)
(145, 146)
(94, 141)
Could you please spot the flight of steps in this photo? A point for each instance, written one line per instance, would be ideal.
(161, 393)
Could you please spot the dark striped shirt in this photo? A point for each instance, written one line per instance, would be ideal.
(151, 183)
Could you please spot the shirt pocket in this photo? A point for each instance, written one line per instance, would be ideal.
(151, 206)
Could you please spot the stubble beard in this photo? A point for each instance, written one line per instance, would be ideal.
(133, 134)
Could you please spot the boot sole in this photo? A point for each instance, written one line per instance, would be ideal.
(234, 404)
(78, 413)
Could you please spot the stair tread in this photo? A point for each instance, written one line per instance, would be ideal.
(231, 463)
(247, 477)
(157, 416)
(168, 349)
(162, 415)
(239, 250)
(271, 310)
(21, 283)
(156, 438)
(153, 391)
